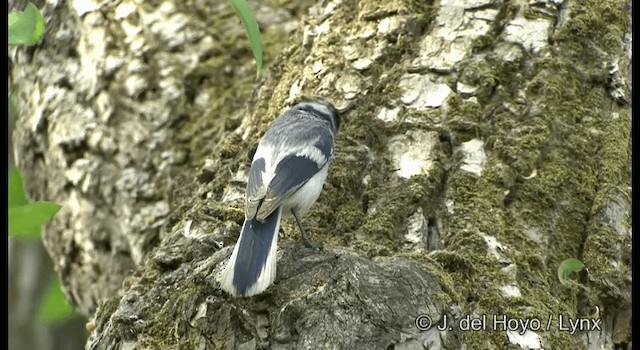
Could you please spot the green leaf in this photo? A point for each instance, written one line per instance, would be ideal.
(54, 306)
(253, 31)
(26, 27)
(25, 221)
(567, 267)
(16, 189)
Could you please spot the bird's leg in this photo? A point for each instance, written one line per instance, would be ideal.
(303, 233)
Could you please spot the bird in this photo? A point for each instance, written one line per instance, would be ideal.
(287, 174)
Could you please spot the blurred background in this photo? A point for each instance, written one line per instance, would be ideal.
(31, 276)
(39, 316)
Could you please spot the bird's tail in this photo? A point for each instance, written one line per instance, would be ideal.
(252, 266)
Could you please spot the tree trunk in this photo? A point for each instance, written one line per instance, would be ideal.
(482, 143)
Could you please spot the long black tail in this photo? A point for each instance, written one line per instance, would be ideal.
(252, 266)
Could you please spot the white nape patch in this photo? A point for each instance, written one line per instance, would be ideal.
(416, 228)
(474, 156)
(320, 107)
(526, 340)
(388, 115)
(510, 291)
(412, 153)
(420, 91)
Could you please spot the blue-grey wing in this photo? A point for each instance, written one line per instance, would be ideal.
(298, 147)
(256, 188)
(291, 173)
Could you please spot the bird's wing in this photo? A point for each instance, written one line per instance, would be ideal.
(256, 188)
(292, 172)
(269, 187)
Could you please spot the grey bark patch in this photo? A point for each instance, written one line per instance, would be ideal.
(319, 298)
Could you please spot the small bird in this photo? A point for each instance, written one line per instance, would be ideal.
(286, 177)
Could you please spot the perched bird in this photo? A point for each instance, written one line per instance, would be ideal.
(287, 174)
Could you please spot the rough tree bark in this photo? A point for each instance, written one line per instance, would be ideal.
(483, 142)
